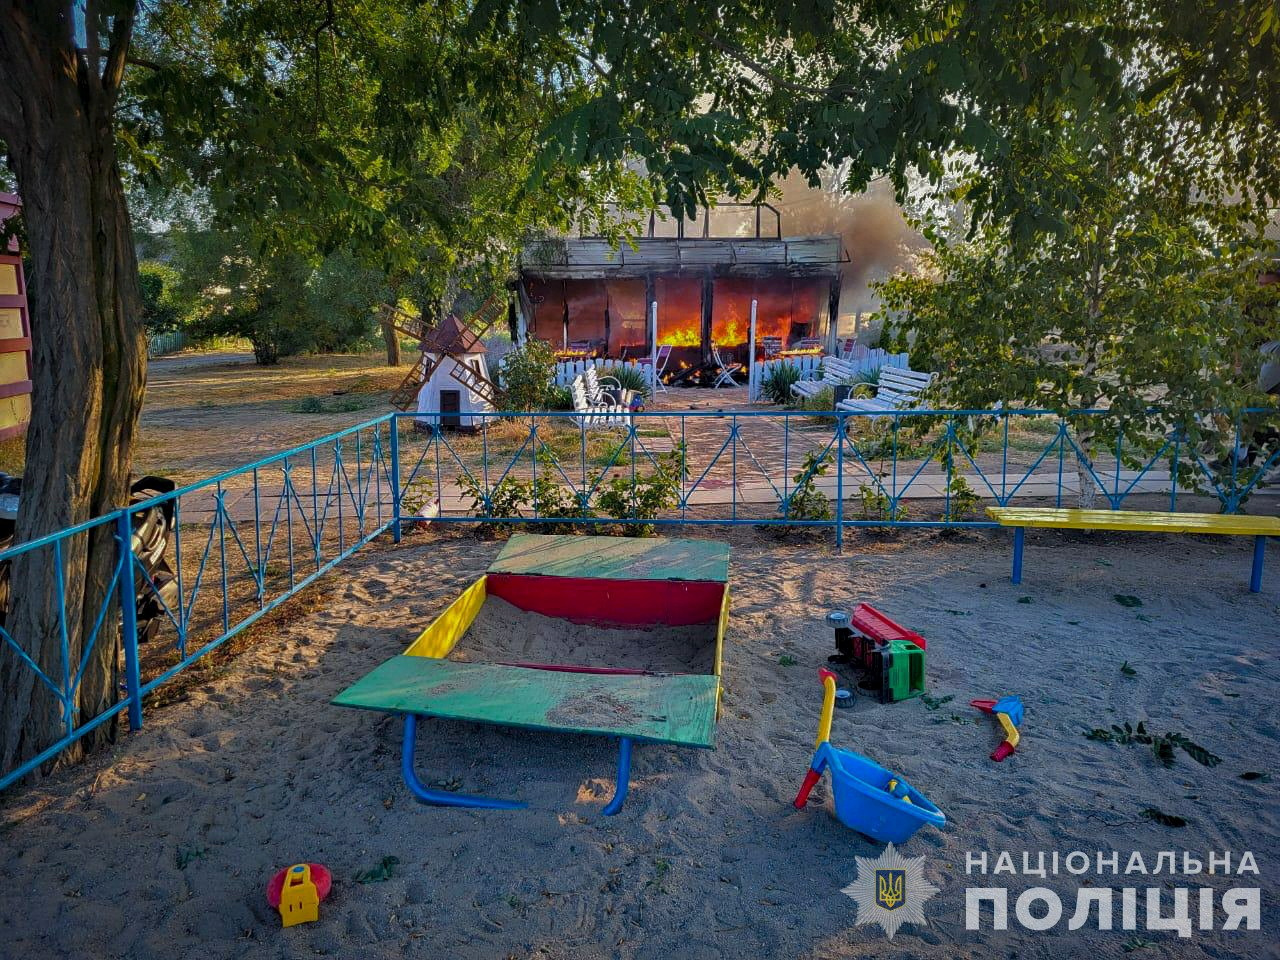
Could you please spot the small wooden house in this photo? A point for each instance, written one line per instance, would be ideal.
(15, 334)
(459, 380)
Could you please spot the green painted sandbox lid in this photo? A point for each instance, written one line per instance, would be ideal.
(676, 708)
(614, 558)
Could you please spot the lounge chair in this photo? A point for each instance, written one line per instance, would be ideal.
(898, 389)
(834, 373)
(590, 414)
(664, 354)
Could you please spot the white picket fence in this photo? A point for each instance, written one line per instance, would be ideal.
(567, 370)
(808, 366)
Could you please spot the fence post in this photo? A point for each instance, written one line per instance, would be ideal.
(839, 481)
(395, 480)
(129, 618)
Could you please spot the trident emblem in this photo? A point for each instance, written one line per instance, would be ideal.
(891, 888)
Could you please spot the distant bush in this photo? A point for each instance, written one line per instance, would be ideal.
(527, 377)
(561, 399)
(158, 283)
(776, 384)
(630, 377)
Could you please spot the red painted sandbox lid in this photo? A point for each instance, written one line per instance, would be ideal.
(614, 558)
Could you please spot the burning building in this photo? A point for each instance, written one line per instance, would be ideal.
(590, 300)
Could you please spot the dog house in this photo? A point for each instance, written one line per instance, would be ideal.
(15, 334)
(589, 299)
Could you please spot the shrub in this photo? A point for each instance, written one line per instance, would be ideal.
(506, 498)
(550, 500)
(527, 376)
(776, 384)
(158, 282)
(876, 505)
(630, 377)
(561, 398)
(962, 499)
(807, 502)
(620, 499)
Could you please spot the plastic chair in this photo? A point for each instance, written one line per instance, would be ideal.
(664, 354)
(727, 370)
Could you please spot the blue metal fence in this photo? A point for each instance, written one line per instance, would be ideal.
(243, 543)
(833, 470)
(248, 539)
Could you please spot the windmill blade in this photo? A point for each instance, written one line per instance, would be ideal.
(480, 385)
(406, 323)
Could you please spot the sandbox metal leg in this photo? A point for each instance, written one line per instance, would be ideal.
(1259, 550)
(624, 777)
(442, 798)
(1019, 534)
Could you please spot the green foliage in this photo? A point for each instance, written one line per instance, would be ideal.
(1162, 745)
(963, 101)
(162, 311)
(806, 501)
(962, 500)
(1143, 304)
(653, 491)
(874, 504)
(561, 398)
(391, 130)
(418, 493)
(631, 377)
(824, 399)
(527, 376)
(775, 386)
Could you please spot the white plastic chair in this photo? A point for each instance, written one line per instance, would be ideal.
(727, 370)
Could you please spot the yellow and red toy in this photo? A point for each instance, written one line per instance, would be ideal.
(1009, 711)
(296, 892)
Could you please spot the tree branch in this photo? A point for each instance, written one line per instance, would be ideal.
(118, 52)
(764, 72)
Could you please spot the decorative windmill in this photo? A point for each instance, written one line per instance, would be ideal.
(453, 348)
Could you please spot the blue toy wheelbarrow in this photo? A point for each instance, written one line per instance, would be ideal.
(870, 799)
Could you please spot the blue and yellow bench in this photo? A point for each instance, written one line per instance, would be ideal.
(1138, 520)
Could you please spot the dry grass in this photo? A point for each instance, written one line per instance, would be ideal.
(13, 455)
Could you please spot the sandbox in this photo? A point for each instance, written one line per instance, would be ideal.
(609, 636)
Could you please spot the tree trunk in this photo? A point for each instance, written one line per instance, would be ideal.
(391, 337)
(88, 362)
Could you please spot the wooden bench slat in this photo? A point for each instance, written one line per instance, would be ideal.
(674, 708)
(1135, 520)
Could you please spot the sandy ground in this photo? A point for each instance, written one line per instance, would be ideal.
(504, 633)
(162, 849)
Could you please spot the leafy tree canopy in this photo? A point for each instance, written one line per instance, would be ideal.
(731, 96)
(369, 127)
